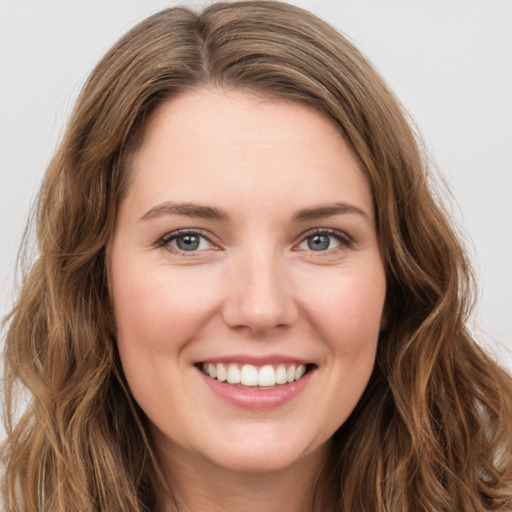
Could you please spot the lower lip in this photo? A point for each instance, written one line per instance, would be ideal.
(262, 399)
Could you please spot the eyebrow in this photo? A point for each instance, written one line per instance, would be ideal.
(329, 210)
(213, 213)
(187, 210)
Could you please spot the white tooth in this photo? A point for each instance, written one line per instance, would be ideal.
(249, 375)
(212, 372)
(300, 371)
(233, 374)
(205, 368)
(266, 376)
(291, 373)
(221, 372)
(281, 375)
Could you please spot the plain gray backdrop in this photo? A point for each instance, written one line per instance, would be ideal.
(450, 62)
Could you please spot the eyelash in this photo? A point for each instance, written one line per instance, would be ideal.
(345, 241)
(174, 235)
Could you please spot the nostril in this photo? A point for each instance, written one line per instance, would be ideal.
(260, 307)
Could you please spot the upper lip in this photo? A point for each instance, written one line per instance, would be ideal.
(272, 359)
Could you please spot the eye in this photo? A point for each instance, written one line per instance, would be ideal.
(186, 241)
(325, 240)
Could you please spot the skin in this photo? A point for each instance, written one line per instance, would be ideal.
(254, 286)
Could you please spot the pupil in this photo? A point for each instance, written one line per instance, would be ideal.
(318, 242)
(188, 242)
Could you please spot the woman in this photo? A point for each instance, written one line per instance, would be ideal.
(247, 297)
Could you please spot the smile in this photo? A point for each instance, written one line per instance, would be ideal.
(255, 376)
(257, 385)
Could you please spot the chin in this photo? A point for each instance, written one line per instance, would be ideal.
(256, 463)
(261, 454)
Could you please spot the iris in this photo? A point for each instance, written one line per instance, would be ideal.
(188, 242)
(319, 242)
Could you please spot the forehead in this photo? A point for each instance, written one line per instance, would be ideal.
(213, 145)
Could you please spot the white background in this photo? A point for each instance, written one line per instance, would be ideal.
(450, 62)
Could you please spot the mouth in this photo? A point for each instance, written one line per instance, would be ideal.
(250, 376)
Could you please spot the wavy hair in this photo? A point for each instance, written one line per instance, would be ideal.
(433, 430)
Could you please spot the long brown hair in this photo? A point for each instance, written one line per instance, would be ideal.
(433, 430)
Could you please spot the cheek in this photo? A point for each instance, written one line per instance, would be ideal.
(346, 311)
(157, 313)
(352, 302)
(346, 315)
(158, 310)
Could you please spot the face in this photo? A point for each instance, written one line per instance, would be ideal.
(247, 281)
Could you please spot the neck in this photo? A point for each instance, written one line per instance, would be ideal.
(200, 486)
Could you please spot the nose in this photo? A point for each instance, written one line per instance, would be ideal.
(259, 295)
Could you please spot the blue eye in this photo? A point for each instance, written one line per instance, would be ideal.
(186, 241)
(321, 241)
(318, 242)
